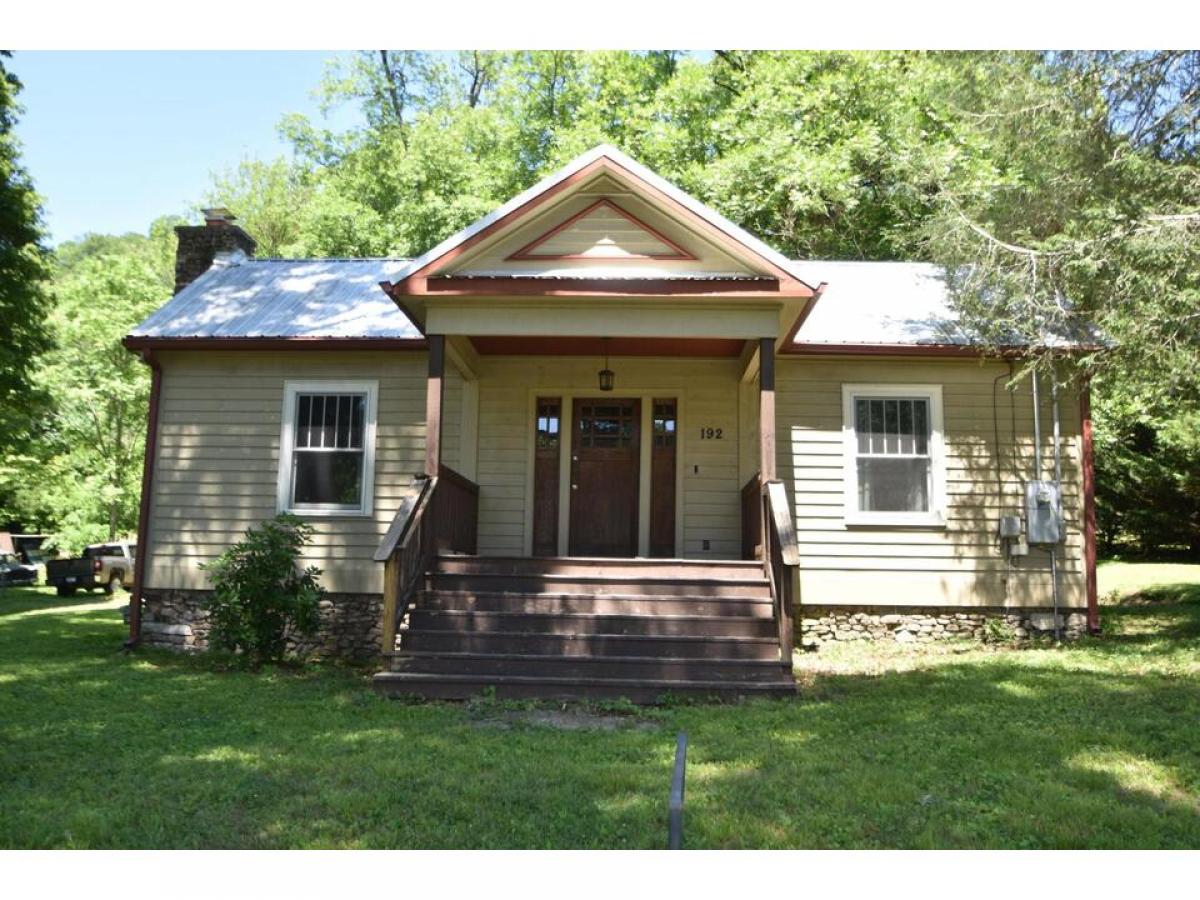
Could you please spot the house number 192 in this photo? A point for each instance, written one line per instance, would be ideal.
(711, 434)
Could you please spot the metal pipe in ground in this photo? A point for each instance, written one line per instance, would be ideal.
(675, 807)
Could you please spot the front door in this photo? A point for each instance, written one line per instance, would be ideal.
(604, 477)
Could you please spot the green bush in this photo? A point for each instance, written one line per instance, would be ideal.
(260, 593)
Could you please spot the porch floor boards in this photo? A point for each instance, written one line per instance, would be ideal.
(576, 628)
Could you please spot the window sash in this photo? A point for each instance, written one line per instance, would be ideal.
(322, 419)
(893, 455)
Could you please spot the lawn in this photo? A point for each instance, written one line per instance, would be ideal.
(1092, 745)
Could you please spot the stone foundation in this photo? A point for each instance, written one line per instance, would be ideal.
(822, 625)
(349, 630)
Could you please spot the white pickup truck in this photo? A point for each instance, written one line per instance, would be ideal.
(106, 566)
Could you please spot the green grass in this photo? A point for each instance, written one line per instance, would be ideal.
(1092, 745)
(1147, 581)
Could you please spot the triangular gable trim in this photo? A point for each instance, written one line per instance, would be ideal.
(580, 168)
(530, 250)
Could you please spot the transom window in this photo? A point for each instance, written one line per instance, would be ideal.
(327, 458)
(894, 470)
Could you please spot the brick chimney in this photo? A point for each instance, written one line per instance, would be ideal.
(200, 244)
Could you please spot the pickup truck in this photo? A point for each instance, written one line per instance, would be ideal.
(105, 566)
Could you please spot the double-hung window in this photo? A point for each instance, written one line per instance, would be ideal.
(327, 458)
(894, 461)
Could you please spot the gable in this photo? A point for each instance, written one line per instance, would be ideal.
(602, 231)
(602, 226)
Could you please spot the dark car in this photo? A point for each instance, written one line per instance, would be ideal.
(14, 572)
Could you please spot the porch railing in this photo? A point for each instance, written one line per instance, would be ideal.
(436, 515)
(782, 561)
(769, 534)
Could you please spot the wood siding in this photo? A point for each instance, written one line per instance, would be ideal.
(218, 456)
(708, 396)
(960, 564)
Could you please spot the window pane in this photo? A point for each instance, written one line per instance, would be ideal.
(358, 415)
(877, 426)
(329, 423)
(921, 425)
(343, 420)
(328, 478)
(907, 444)
(862, 424)
(893, 485)
(303, 419)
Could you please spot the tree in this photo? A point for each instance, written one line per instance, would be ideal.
(24, 270)
(80, 477)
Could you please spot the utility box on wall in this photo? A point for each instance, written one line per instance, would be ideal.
(1043, 512)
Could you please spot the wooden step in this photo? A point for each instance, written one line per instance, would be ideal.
(680, 646)
(591, 667)
(604, 567)
(462, 686)
(595, 604)
(425, 619)
(598, 585)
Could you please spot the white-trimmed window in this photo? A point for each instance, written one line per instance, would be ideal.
(894, 456)
(327, 448)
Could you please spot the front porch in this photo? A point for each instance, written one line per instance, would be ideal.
(607, 544)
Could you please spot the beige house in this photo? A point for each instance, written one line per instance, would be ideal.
(603, 441)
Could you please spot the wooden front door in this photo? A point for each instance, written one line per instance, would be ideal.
(605, 440)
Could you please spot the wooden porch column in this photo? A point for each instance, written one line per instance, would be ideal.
(434, 392)
(766, 408)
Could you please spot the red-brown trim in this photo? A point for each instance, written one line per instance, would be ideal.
(950, 350)
(1089, 507)
(415, 282)
(264, 343)
(451, 286)
(143, 531)
(790, 339)
(537, 345)
(526, 252)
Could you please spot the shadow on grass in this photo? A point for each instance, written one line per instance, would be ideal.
(1042, 748)
(15, 600)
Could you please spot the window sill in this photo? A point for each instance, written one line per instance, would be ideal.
(329, 513)
(895, 520)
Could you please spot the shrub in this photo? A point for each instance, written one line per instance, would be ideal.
(260, 593)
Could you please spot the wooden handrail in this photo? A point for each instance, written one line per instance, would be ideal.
(781, 561)
(412, 506)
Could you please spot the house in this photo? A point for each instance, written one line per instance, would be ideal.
(604, 441)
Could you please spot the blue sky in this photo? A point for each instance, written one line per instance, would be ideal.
(115, 139)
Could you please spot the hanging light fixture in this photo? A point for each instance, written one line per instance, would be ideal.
(607, 376)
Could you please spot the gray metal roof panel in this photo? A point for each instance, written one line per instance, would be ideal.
(891, 304)
(279, 298)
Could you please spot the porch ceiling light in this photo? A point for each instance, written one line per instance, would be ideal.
(607, 376)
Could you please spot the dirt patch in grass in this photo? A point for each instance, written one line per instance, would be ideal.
(569, 719)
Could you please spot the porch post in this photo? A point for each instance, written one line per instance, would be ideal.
(766, 408)
(433, 404)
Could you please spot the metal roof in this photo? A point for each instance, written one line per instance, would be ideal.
(865, 303)
(282, 298)
(890, 303)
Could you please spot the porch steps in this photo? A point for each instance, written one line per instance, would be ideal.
(588, 628)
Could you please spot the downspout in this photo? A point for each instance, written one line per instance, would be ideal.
(143, 546)
(1058, 493)
(1089, 507)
